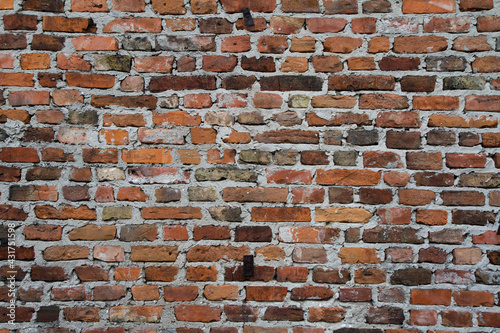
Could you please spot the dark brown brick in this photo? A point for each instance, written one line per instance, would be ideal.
(262, 64)
(418, 83)
(403, 140)
(399, 64)
(20, 22)
(13, 42)
(162, 83)
(411, 276)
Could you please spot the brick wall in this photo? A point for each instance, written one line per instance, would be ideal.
(350, 146)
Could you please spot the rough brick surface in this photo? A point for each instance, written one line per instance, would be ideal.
(350, 146)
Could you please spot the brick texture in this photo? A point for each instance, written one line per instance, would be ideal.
(350, 146)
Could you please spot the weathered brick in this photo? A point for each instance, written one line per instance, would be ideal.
(411, 277)
(148, 314)
(241, 313)
(265, 293)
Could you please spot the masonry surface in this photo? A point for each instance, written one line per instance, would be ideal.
(351, 147)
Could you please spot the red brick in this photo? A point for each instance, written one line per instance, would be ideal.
(172, 7)
(63, 24)
(204, 6)
(197, 313)
(73, 62)
(267, 101)
(66, 97)
(467, 256)
(423, 317)
(286, 25)
(342, 44)
(341, 6)
(482, 103)
(458, 160)
(20, 22)
(348, 177)
(308, 195)
(311, 293)
(378, 44)
(416, 44)
(6, 61)
(261, 273)
(426, 7)
(65, 213)
(462, 198)
(399, 63)
(431, 296)
(330, 315)
(361, 64)
(474, 298)
(355, 294)
(475, 5)
(488, 237)
(35, 61)
(133, 24)
(162, 273)
(456, 318)
(415, 197)
(93, 6)
(365, 25)
(292, 274)
(93, 232)
(488, 23)
(224, 292)
(109, 253)
(56, 155)
(257, 194)
(283, 214)
(353, 255)
(95, 43)
(90, 314)
(265, 293)
(148, 314)
(7, 4)
(489, 319)
(394, 215)
(431, 216)
(322, 25)
(203, 253)
(201, 273)
(454, 24)
(145, 293)
(19, 98)
(424, 161)
(128, 5)
(298, 6)
(109, 293)
(386, 101)
(180, 294)
(19, 155)
(144, 101)
(101, 81)
(235, 6)
(73, 293)
(272, 44)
